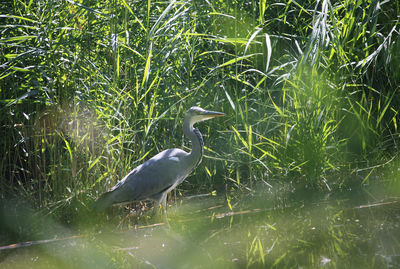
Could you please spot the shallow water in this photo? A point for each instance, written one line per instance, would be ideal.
(353, 229)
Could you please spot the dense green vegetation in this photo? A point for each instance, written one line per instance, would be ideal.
(90, 89)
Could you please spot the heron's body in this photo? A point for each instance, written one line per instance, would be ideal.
(156, 177)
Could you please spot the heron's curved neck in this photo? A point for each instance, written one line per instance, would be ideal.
(197, 142)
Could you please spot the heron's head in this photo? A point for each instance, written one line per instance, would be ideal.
(196, 114)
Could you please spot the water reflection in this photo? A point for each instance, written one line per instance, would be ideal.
(353, 229)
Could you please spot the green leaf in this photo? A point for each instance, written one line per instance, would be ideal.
(147, 67)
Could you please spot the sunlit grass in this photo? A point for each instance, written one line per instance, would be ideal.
(295, 83)
(310, 90)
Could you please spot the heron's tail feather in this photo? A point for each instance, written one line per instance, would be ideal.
(103, 202)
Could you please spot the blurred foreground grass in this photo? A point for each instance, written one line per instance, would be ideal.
(347, 229)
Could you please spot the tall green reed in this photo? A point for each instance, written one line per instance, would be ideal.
(91, 90)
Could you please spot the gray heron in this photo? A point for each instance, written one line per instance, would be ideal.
(155, 178)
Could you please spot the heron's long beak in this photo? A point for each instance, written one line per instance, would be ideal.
(212, 114)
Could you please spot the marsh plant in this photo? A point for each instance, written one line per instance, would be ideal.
(91, 89)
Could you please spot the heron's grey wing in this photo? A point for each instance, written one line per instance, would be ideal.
(117, 194)
(122, 181)
(153, 177)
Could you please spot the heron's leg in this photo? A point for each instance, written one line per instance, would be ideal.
(163, 202)
(159, 204)
(160, 207)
